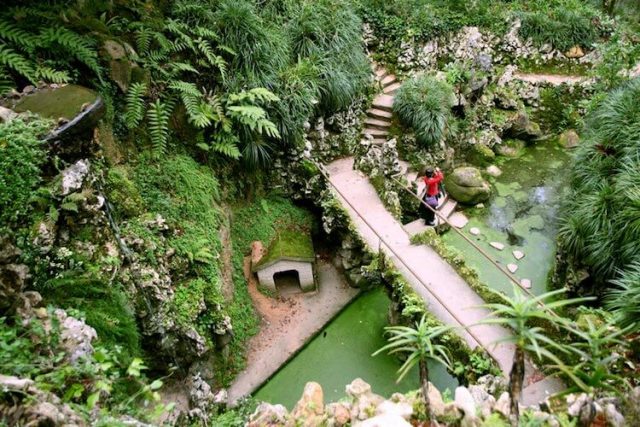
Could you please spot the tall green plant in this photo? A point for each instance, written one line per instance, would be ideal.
(518, 313)
(419, 346)
(424, 104)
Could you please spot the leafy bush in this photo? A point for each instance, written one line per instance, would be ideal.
(424, 104)
(563, 26)
(22, 154)
(601, 224)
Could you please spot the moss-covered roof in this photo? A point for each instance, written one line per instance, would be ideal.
(293, 245)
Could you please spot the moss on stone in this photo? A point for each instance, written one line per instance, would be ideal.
(288, 244)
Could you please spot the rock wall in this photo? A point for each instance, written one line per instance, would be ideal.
(483, 404)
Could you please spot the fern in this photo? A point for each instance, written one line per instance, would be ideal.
(184, 66)
(15, 35)
(185, 88)
(255, 119)
(227, 145)
(51, 75)
(5, 83)
(158, 126)
(135, 105)
(9, 58)
(215, 60)
(74, 44)
(143, 39)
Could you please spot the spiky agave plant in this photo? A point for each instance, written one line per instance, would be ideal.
(518, 313)
(424, 104)
(420, 346)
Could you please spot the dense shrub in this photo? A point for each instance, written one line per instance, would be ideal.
(21, 156)
(424, 104)
(560, 28)
(601, 225)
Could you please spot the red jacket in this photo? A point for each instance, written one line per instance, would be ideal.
(432, 183)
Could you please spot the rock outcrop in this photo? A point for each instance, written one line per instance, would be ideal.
(466, 185)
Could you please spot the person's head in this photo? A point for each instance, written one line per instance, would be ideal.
(428, 172)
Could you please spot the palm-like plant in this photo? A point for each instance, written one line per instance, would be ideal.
(420, 346)
(624, 300)
(517, 313)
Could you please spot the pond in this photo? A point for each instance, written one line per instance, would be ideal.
(341, 352)
(522, 214)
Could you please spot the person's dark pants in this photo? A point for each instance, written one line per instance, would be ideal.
(428, 214)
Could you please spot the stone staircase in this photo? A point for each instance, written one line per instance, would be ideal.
(446, 207)
(378, 120)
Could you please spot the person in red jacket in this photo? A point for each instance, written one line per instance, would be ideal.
(432, 179)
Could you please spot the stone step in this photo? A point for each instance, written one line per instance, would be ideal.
(375, 132)
(383, 102)
(447, 208)
(392, 88)
(377, 123)
(388, 80)
(380, 73)
(379, 140)
(416, 227)
(379, 114)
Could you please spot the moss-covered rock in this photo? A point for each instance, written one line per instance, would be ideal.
(466, 185)
(480, 155)
(510, 148)
(569, 139)
(521, 127)
(123, 194)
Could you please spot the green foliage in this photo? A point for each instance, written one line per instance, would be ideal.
(21, 157)
(135, 104)
(624, 298)
(417, 343)
(104, 306)
(158, 117)
(105, 380)
(40, 47)
(424, 104)
(565, 24)
(122, 192)
(600, 229)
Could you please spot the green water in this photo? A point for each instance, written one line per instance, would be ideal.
(342, 352)
(522, 214)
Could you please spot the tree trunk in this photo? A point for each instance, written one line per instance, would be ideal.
(516, 380)
(424, 384)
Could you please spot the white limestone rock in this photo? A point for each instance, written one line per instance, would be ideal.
(497, 245)
(494, 170)
(518, 254)
(526, 283)
(458, 220)
(474, 231)
(74, 176)
(512, 268)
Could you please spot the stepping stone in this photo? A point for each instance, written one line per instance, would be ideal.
(392, 88)
(377, 123)
(383, 102)
(379, 114)
(526, 283)
(380, 72)
(497, 245)
(512, 268)
(458, 220)
(493, 170)
(518, 254)
(388, 80)
(479, 206)
(474, 230)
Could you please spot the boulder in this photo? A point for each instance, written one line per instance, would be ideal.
(74, 176)
(119, 65)
(7, 114)
(75, 336)
(267, 414)
(339, 414)
(569, 139)
(480, 155)
(503, 405)
(436, 401)
(385, 420)
(510, 148)
(311, 404)
(76, 108)
(466, 185)
(575, 52)
(401, 409)
(464, 401)
(521, 127)
(494, 171)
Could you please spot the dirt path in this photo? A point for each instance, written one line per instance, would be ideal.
(553, 79)
(287, 324)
